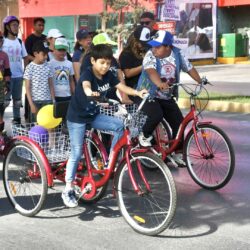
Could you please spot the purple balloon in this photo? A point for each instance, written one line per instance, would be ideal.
(39, 134)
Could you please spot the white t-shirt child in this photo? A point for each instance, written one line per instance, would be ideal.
(62, 70)
(38, 74)
(16, 52)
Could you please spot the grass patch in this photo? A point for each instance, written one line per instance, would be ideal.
(219, 97)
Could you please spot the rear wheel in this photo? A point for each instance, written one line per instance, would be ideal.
(24, 178)
(151, 211)
(160, 142)
(214, 169)
(165, 134)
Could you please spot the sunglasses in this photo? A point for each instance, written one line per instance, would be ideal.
(145, 23)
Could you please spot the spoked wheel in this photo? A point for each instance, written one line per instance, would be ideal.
(98, 161)
(214, 169)
(24, 178)
(151, 210)
(165, 135)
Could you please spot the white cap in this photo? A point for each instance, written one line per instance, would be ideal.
(61, 43)
(55, 33)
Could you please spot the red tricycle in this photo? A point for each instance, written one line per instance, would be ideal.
(142, 183)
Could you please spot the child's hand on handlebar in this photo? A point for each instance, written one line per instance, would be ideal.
(95, 93)
(141, 93)
(163, 86)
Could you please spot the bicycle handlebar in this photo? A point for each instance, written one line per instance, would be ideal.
(197, 90)
(101, 100)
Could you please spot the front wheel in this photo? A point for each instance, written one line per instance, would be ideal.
(24, 178)
(214, 168)
(151, 210)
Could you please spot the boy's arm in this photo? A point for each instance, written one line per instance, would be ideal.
(29, 97)
(76, 67)
(133, 71)
(86, 85)
(130, 91)
(124, 97)
(72, 84)
(195, 75)
(7, 72)
(51, 88)
(155, 78)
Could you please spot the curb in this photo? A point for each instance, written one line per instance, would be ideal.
(223, 106)
(233, 60)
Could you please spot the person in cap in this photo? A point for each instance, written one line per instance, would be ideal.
(147, 19)
(161, 67)
(132, 55)
(53, 34)
(38, 80)
(15, 49)
(62, 70)
(5, 75)
(83, 43)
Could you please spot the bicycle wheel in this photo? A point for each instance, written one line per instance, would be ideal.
(151, 211)
(165, 134)
(98, 161)
(215, 169)
(24, 178)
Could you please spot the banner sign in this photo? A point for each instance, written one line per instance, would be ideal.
(193, 22)
(168, 26)
(171, 10)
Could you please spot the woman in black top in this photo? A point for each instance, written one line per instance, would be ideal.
(132, 55)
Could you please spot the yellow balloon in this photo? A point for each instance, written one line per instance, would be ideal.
(46, 118)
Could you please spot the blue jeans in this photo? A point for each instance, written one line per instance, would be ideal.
(16, 88)
(77, 132)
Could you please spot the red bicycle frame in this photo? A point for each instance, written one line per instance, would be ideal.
(124, 141)
(191, 116)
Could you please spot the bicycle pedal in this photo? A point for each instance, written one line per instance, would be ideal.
(172, 161)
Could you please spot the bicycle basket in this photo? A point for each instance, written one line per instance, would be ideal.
(55, 143)
(128, 113)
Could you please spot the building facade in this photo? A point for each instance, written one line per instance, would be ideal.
(70, 16)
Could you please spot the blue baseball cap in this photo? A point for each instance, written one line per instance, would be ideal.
(161, 37)
(82, 34)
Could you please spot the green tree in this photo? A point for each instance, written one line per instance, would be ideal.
(122, 30)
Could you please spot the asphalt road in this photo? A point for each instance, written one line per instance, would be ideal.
(204, 219)
(226, 79)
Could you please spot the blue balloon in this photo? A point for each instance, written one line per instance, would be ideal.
(39, 134)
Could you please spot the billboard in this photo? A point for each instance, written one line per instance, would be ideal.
(195, 26)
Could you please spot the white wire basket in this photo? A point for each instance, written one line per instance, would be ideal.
(129, 114)
(54, 143)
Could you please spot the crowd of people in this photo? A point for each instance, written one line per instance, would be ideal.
(148, 63)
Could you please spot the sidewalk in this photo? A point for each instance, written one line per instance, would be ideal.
(226, 78)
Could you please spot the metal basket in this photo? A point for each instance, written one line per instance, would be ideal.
(55, 143)
(129, 114)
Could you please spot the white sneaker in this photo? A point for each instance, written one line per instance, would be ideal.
(69, 198)
(178, 158)
(145, 141)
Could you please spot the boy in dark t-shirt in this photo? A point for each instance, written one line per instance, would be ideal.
(37, 35)
(94, 81)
